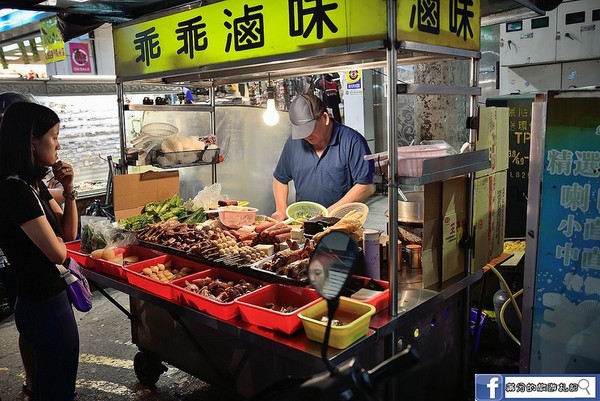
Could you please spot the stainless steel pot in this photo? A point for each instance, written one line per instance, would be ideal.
(411, 211)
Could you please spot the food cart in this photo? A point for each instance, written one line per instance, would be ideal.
(228, 42)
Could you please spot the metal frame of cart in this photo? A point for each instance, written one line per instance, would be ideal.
(432, 315)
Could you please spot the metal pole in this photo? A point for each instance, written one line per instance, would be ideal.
(392, 73)
(473, 112)
(213, 127)
(467, 354)
(122, 131)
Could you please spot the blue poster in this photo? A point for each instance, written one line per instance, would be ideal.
(566, 316)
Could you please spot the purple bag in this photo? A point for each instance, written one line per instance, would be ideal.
(78, 287)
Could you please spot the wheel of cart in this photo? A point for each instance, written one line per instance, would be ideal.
(148, 368)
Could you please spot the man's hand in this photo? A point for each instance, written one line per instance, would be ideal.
(279, 216)
(358, 193)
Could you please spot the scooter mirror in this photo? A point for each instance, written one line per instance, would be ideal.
(331, 263)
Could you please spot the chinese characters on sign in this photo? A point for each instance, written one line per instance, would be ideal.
(54, 47)
(192, 35)
(147, 45)
(519, 122)
(575, 197)
(248, 30)
(318, 17)
(565, 165)
(519, 140)
(228, 31)
(448, 22)
(306, 18)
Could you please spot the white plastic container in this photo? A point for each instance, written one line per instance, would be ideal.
(410, 158)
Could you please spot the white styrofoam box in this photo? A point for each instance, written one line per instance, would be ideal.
(578, 35)
(530, 41)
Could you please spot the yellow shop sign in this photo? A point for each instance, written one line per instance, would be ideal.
(452, 23)
(231, 31)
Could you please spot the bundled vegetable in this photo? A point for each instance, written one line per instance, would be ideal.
(154, 212)
(197, 217)
(166, 209)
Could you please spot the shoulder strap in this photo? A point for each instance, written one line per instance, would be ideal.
(16, 177)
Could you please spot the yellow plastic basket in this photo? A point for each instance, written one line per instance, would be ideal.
(341, 336)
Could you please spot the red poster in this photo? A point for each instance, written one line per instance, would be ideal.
(80, 57)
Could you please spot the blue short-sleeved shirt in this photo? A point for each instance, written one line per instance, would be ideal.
(326, 180)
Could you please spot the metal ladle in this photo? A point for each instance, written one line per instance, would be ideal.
(404, 198)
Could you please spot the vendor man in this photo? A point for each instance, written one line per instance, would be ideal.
(323, 158)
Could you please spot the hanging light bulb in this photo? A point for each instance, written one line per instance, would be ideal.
(271, 116)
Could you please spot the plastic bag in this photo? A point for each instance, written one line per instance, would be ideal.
(98, 209)
(208, 198)
(99, 232)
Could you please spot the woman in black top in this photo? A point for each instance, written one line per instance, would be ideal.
(33, 230)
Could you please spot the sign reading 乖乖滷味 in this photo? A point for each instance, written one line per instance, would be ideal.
(231, 31)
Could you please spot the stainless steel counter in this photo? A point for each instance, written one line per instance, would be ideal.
(229, 352)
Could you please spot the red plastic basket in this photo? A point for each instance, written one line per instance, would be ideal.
(253, 307)
(221, 310)
(165, 290)
(380, 301)
(74, 251)
(116, 270)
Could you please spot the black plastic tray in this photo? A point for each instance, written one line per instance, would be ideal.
(224, 263)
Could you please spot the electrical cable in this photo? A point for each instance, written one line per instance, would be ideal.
(510, 294)
(503, 322)
(511, 299)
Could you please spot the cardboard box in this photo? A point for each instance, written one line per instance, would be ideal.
(493, 135)
(489, 218)
(444, 222)
(432, 232)
(454, 209)
(133, 191)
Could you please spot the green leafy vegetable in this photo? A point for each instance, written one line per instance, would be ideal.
(153, 212)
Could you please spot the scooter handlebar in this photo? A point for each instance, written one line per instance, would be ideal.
(400, 362)
(348, 379)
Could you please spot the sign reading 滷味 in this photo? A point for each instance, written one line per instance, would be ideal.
(452, 23)
(230, 31)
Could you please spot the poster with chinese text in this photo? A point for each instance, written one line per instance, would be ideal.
(566, 316)
(52, 41)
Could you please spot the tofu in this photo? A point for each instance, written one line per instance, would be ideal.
(267, 249)
(297, 234)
